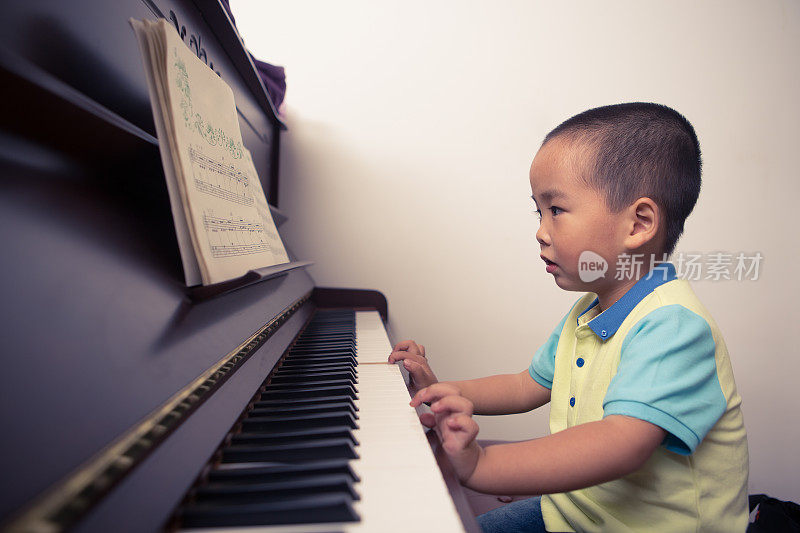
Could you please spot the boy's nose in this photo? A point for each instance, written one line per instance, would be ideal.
(542, 236)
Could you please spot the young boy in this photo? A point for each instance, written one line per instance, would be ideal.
(645, 420)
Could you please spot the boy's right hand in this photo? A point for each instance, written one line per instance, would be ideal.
(451, 417)
(414, 360)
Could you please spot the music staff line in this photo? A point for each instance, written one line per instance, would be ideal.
(229, 237)
(219, 179)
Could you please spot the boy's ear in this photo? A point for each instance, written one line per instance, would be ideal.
(643, 223)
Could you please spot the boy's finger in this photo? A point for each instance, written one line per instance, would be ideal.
(412, 367)
(400, 356)
(455, 423)
(402, 345)
(421, 350)
(419, 360)
(435, 392)
(406, 346)
(453, 404)
(427, 419)
(460, 423)
(417, 400)
(415, 369)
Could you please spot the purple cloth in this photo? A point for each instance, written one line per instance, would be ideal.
(274, 77)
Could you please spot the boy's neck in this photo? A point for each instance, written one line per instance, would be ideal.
(609, 296)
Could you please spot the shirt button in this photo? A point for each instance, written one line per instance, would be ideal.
(579, 362)
(572, 402)
(603, 333)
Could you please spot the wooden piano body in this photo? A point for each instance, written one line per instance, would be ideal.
(98, 329)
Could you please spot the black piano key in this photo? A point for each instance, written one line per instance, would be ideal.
(326, 331)
(295, 435)
(324, 345)
(287, 423)
(321, 351)
(259, 492)
(322, 323)
(338, 333)
(338, 407)
(333, 335)
(289, 464)
(266, 403)
(324, 342)
(283, 376)
(316, 329)
(300, 510)
(320, 367)
(304, 385)
(241, 474)
(315, 365)
(298, 378)
(327, 338)
(331, 351)
(320, 357)
(310, 392)
(291, 453)
(295, 361)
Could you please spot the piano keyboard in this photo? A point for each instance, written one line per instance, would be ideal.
(330, 444)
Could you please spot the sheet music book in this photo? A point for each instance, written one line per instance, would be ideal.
(221, 215)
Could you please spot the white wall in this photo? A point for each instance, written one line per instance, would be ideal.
(412, 125)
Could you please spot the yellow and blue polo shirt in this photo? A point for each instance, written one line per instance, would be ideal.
(657, 355)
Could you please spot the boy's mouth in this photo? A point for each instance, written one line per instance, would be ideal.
(549, 265)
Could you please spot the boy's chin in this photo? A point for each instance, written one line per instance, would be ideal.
(565, 282)
(568, 283)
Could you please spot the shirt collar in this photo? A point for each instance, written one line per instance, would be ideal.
(608, 322)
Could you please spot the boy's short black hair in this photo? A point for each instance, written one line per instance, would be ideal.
(640, 149)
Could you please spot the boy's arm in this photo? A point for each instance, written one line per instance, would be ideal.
(503, 394)
(492, 395)
(578, 457)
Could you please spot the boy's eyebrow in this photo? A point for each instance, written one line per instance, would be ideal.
(549, 195)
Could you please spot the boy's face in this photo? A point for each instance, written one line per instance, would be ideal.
(574, 220)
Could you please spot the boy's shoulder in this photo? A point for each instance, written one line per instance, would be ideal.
(674, 297)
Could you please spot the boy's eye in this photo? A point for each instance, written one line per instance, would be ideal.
(538, 214)
(556, 210)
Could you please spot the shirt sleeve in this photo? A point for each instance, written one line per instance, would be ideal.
(667, 376)
(543, 364)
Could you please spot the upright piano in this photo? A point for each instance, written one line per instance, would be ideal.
(133, 403)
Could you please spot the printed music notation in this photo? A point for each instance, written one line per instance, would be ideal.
(219, 179)
(234, 236)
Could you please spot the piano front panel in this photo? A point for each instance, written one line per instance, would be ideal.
(145, 498)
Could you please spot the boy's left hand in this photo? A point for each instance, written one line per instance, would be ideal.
(452, 420)
(413, 357)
